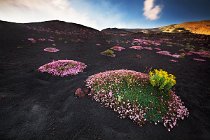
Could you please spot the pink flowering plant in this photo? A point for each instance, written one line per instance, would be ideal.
(63, 67)
(148, 48)
(136, 47)
(158, 49)
(173, 60)
(167, 53)
(147, 42)
(205, 54)
(51, 49)
(199, 59)
(32, 40)
(117, 48)
(132, 95)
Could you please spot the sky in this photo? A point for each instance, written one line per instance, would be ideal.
(101, 14)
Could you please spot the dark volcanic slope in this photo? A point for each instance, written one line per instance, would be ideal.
(115, 31)
(36, 105)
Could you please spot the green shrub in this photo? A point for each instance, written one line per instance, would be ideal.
(108, 52)
(161, 79)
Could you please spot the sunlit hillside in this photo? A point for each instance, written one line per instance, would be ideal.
(199, 27)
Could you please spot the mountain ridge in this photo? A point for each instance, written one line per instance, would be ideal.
(196, 27)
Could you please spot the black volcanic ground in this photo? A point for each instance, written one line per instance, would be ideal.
(37, 105)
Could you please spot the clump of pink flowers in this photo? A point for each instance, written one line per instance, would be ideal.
(176, 111)
(113, 76)
(32, 40)
(50, 49)
(158, 49)
(105, 86)
(124, 109)
(147, 42)
(136, 47)
(164, 53)
(148, 48)
(41, 39)
(117, 48)
(168, 54)
(202, 53)
(173, 60)
(63, 67)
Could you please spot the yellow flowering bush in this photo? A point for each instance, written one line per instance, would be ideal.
(161, 79)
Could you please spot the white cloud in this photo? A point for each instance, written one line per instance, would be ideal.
(151, 11)
(66, 10)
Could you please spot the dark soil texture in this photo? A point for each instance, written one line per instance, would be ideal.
(36, 105)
